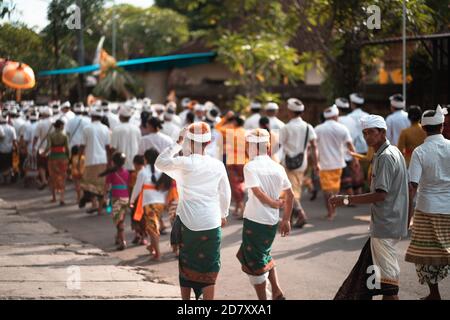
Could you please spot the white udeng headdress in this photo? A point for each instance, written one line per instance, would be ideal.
(199, 135)
(438, 118)
(373, 121)
(331, 112)
(258, 136)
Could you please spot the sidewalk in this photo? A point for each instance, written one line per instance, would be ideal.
(39, 262)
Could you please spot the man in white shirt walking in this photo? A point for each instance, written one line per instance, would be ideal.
(252, 122)
(204, 201)
(76, 125)
(8, 143)
(266, 180)
(332, 140)
(398, 120)
(271, 110)
(429, 174)
(43, 130)
(125, 137)
(296, 138)
(95, 145)
(357, 105)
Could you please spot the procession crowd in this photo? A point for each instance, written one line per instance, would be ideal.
(140, 161)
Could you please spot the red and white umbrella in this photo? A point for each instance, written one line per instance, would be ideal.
(19, 76)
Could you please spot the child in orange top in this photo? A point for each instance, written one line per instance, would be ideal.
(78, 166)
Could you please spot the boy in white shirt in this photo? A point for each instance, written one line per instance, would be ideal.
(266, 181)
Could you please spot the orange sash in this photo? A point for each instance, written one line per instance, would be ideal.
(139, 207)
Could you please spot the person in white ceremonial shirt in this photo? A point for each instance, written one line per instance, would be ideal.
(357, 105)
(398, 120)
(8, 143)
(204, 201)
(271, 110)
(297, 137)
(215, 148)
(169, 127)
(185, 103)
(16, 120)
(171, 107)
(66, 113)
(158, 111)
(333, 140)
(200, 112)
(155, 138)
(266, 181)
(125, 137)
(252, 122)
(43, 130)
(352, 179)
(76, 125)
(429, 176)
(113, 119)
(95, 146)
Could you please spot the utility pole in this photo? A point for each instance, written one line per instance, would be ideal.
(404, 50)
(81, 61)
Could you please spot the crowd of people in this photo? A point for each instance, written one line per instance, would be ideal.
(142, 160)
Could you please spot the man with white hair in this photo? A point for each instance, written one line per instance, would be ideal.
(271, 110)
(429, 174)
(333, 140)
(352, 179)
(266, 180)
(43, 130)
(8, 143)
(388, 197)
(296, 137)
(185, 103)
(169, 127)
(125, 137)
(204, 200)
(113, 119)
(66, 113)
(95, 145)
(252, 122)
(76, 125)
(357, 105)
(398, 120)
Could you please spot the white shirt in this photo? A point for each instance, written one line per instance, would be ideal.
(292, 139)
(332, 138)
(430, 169)
(171, 129)
(95, 139)
(125, 138)
(177, 120)
(352, 127)
(43, 130)
(69, 115)
(203, 188)
(113, 120)
(275, 123)
(159, 141)
(18, 123)
(396, 122)
(183, 115)
(271, 177)
(359, 141)
(213, 149)
(150, 196)
(6, 143)
(29, 134)
(75, 128)
(252, 122)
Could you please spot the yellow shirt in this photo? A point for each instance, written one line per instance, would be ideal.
(410, 139)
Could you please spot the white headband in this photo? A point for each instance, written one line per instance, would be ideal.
(342, 103)
(373, 121)
(205, 137)
(295, 105)
(333, 111)
(255, 139)
(437, 119)
(397, 104)
(356, 98)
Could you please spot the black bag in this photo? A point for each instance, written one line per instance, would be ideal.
(297, 161)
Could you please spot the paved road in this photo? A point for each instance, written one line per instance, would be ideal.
(312, 263)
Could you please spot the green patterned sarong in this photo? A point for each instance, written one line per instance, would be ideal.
(254, 253)
(199, 259)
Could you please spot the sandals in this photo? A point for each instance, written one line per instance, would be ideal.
(122, 246)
